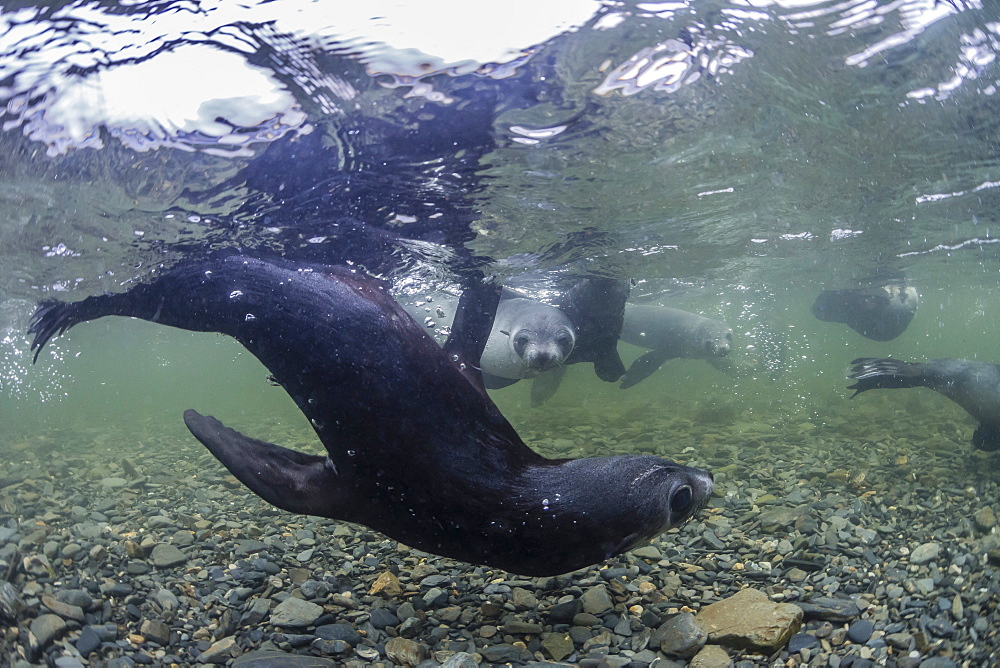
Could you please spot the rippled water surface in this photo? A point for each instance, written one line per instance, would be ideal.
(733, 159)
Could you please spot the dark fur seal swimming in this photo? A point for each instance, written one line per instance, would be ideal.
(880, 312)
(975, 386)
(415, 449)
(669, 333)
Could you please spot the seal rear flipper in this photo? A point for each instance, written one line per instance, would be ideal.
(643, 367)
(290, 480)
(51, 318)
(871, 373)
(545, 385)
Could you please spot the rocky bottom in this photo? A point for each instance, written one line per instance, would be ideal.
(865, 539)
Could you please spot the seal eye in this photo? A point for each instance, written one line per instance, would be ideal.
(565, 342)
(680, 502)
(520, 343)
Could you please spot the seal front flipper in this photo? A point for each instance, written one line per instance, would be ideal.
(596, 306)
(643, 367)
(545, 385)
(290, 480)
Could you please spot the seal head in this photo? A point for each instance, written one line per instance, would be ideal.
(528, 337)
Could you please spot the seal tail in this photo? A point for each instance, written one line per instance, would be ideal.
(873, 373)
(290, 480)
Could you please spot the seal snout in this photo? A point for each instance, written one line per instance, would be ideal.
(719, 346)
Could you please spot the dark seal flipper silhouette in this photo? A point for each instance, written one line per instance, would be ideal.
(290, 480)
(415, 449)
(596, 306)
(975, 386)
(643, 367)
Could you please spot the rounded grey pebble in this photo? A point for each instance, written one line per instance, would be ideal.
(801, 641)
(344, 632)
(88, 641)
(860, 631)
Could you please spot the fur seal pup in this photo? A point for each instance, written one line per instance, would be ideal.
(415, 449)
(527, 338)
(879, 312)
(668, 333)
(975, 386)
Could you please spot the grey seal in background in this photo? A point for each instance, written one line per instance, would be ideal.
(975, 386)
(414, 447)
(879, 312)
(668, 333)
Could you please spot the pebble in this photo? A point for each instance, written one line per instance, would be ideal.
(596, 600)
(985, 518)
(860, 631)
(679, 636)
(295, 612)
(924, 553)
(46, 628)
(165, 555)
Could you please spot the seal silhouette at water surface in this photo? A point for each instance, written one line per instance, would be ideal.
(880, 311)
(415, 449)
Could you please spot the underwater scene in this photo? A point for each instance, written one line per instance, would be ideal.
(578, 333)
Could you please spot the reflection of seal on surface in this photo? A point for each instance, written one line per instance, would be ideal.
(669, 333)
(879, 312)
(415, 449)
(975, 386)
(528, 337)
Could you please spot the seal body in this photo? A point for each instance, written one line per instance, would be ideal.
(878, 312)
(975, 386)
(414, 447)
(668, 333)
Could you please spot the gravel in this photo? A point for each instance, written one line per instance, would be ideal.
(150, 553)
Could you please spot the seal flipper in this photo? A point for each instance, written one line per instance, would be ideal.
(596, 306)
(545, 385)
(643, 367)
(986, 438)
(477, 307)
(609, 367)
(290, 480)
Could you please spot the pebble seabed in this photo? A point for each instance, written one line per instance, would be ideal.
(120, 549)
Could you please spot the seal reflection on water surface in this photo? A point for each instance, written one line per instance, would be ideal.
(415, 448)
